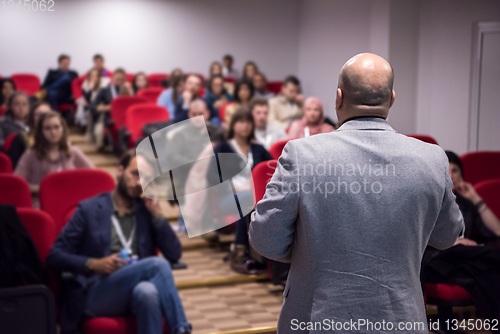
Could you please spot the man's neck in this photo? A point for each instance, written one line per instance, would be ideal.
(261, 128)
(121, 202)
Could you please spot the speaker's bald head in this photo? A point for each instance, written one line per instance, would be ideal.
(366, 81)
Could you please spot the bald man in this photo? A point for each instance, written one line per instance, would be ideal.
(353, 211)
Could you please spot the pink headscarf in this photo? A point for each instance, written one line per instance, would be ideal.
(298, 126)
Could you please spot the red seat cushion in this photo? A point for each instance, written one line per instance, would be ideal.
(139, 115)
(446, 292)
(118, 112)
(114, 326)
(40, 227)
(481, 166)
(150, 93)
(274, 86)
(276, 148)
(261, 175)
(26, 82)
(5, 164)
(155, 79)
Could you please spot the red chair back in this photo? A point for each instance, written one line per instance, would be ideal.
(130, 77)
(2, 110)
(40, 227)
(150, 93)
(28, 83)
(274, 86)
(424, 138)
(61, 192)
(8, 142)
(154, 79)
(76, 87)
(276, 148)
(119, 106)
(5, 164)
(15, 190)
(222, 110)
(481, 166)
(229, 79)
(489, 191)
(261, 175)
(140, 114)
(120, 325)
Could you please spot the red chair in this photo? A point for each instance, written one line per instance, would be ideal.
(222, 110)
(61, 192)
(5, 164)
(8, 141)
(130, 77)
(154, 80)
(76, 87)
(114, 326)
(274, 86)
(276, 148)
(28, 83)
(424, 138)
(15, 190)
(118, 116)
(261, 175)
(229, 79)
(445, 297)
(40, 227)
(150, 93)
(481, 166)
(2, 110)
(140, 114)
(489, 191)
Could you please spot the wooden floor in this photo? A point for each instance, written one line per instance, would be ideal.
(215, 298)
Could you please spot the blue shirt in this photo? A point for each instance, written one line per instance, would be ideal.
(165, 99)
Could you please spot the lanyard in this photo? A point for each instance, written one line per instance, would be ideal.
(127, 244)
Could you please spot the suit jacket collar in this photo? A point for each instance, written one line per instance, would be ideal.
(366, 123)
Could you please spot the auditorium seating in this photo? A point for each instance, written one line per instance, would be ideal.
(150, 93)
(446, 296)
(276, 148)
(489, 191)
(120, 325)
(40, 227)
(2, 110)
(76, 87)
(140, 114)
(155, 79)
(130, 77)
(118, 112)
(28, 83)
(61, 192)
(261, 175)
(15, 190)
(222, 110)
(424, 138)
(5, 164)
(480, 166)
(229, 79)
(274, 86)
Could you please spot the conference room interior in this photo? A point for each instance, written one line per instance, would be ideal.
(107, 75)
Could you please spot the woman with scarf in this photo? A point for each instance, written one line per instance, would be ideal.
(313, 121)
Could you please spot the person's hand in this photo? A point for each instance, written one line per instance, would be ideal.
(102, 108)
(85, 104)
(299, 99)
(106, 265)
(219, 103)
(153, 206)
(465, 242)
(467, 190)
(186, 97)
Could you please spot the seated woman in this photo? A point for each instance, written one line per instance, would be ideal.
(215, 97)
(474, 261)
(215, 69)
(249, 70)
(90, 88)
(140, 81)
(51, 151)
(170, 96)
(7, 88)
(313, 121)
(14, 120)
(240, 140)
(243, 93)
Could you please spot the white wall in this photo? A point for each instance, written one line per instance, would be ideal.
(152, 36)
(444, 63)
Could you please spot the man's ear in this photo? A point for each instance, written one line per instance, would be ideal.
(339, 99)
(393, 98)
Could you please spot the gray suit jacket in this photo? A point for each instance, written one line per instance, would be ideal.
(353, 211)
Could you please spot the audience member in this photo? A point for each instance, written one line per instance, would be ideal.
(260, 85)
(249, 70)
(215, 69)
(243, 93)
(313, 121)
(14, 120)
(104, 227)
(7, 88)
(287, 106)
(91, 87)
(169, 97)
(101, 105)
(190, 93)
(215, 97)
(474, 261)
(99, 64)
(36, 112)
(266, 134)
(57, 83)
(227, 69)
(240, 140)
(51, 151)
(140, 81)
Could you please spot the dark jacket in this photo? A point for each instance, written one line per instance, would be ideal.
(19, 260)
(88, 235)
(64, 91)
(181, 113)
(7, 127)
(210, 99)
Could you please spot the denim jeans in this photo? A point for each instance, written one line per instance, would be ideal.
(145, 289)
